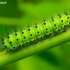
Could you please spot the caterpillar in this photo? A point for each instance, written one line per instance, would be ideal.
(31, 35)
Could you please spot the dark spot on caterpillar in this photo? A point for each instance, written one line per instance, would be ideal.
(50, 33)
(69, 22)
(17, 39)
(52, 18)
(8, 36)
(14, 47)
(36, 26)
(54, 24)
(10, 42)
(64, 25)
(26, 43)
(5, 46)
(67, 17)
(59, 15)
(2, 39)
(41, 37)
(24, 37)
(20, 47)
(35, 41)
(46, 28)
(28, 29)
(65, 13)
(15, 34)
(30, 34)
(2, 42)
(58, 29)
(38, 32)
(22, 32)
(44, 23)
(44, 20)
(61, 20)
(7, 33)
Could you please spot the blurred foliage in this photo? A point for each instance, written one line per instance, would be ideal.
(29, 12)
(10, 9)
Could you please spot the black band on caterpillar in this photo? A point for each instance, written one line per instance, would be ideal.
(33, 34)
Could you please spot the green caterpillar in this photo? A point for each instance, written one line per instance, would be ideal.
(20, 38)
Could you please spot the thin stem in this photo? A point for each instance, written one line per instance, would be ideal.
(34, 49)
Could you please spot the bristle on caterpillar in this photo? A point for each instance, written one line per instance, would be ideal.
(33, 34)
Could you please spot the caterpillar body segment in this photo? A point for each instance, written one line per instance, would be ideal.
(47, 28)
(10, 42)
(40, 31)
(32, 33)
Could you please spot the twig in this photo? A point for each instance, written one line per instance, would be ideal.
(34, 49)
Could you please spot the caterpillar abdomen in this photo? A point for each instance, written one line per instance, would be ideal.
(39, 31)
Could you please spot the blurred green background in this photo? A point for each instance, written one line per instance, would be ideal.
(27, 12)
